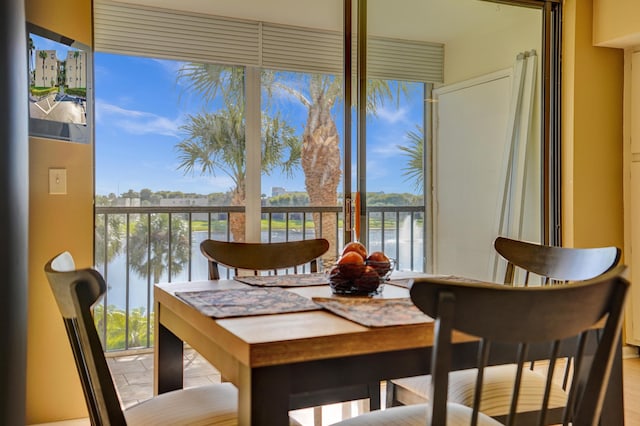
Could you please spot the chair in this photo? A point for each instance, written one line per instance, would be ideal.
(558, 318)
(554, 264)
(551, 265)
(257, 257)
(76, 291)
(262, 256)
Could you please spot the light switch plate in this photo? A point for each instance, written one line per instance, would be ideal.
(57, 181)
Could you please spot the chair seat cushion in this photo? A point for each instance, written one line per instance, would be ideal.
(497, 389)
(410, 415)
(203, 405)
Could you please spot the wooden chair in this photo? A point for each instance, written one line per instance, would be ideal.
(558, 317)
(547, 265)
(258, 257)
(76, 291)
(554, 264)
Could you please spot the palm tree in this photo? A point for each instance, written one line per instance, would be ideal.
(216, 142)
(111, 235)
(43, 55)
(117, 324)
(75, 57)
(414, 170)
(79, 69)
(320, 153)
(32, 65)
(153, 249)
(321, 141)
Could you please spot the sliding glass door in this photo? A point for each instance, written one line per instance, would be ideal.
(464, 134)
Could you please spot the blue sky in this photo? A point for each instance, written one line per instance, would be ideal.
(139, 111)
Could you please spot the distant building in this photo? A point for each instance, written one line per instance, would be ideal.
(184, 202)
(46, 68)
(76, 69)
(277, 190)
(126, 202)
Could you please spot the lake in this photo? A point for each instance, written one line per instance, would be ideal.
(139, 292)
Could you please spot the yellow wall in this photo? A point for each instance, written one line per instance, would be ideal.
(616, 23)
(56, 223)
(592, 113)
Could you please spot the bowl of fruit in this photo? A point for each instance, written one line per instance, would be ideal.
(358, 272)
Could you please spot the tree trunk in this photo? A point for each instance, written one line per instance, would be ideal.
(237, 220)
(321, 165)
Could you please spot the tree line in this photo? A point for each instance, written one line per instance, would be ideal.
(294, 198)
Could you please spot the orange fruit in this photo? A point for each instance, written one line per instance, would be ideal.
(378, 256)
(356, 246)
(351, 257)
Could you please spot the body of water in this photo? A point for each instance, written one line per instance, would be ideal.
(140, 292)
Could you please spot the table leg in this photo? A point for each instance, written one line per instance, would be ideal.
(168, 359)
(374, 396)
(263, 396)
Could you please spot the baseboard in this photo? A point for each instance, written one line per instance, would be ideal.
(629, 351)
(74, 422)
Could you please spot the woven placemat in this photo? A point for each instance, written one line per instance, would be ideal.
(408, 282)
(245, 302)
(373, 312)
(289, 280)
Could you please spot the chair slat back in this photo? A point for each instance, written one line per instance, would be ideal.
(558, 264)
(76, 291)
(262, 256)
(528, 316)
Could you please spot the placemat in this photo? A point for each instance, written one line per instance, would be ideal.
(407, 282)
(289, 280)
(244, 302)
(374, 312)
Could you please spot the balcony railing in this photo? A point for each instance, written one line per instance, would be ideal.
(137, 247)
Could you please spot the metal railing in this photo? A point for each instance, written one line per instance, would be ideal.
(137, 247)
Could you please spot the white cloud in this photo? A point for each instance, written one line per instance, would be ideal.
(136, 122)
(392, 116)
(170, 67)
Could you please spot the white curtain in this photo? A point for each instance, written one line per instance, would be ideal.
(512, 192)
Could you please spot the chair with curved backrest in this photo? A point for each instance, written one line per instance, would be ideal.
(262, 256)
(257, 257)
(76, 291)
(549, 265)
(586, 316)
(554, 264)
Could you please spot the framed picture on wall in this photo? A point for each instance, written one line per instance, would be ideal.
(60, 86)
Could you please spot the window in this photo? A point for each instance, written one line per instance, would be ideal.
(270, 87)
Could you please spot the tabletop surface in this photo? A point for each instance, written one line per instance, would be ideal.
(264, 340)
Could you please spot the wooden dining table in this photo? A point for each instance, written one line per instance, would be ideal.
(286, 361)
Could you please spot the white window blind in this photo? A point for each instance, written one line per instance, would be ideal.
(162, 33)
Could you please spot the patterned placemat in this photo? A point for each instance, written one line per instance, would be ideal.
(289, 280)
(374, 312)
(408, 282)
(244, 302)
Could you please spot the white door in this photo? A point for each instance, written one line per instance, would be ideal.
(468, 157)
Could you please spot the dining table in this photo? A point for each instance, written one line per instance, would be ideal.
(308, 347)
